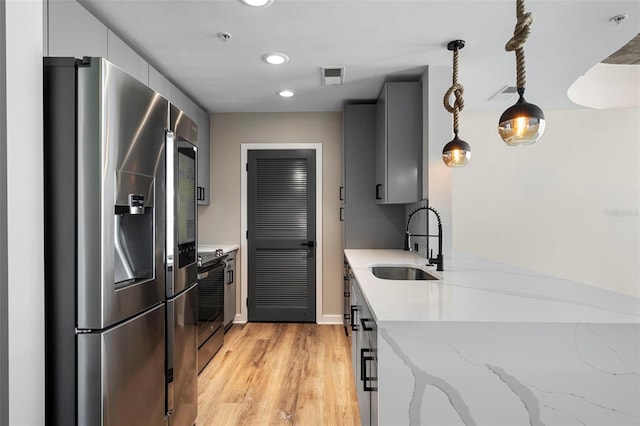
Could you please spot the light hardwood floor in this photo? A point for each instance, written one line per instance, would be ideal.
(279, 374)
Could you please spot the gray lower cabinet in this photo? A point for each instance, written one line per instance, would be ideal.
(230, 290)
(399, 143)
(364, 356)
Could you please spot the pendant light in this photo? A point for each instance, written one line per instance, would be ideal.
(457, 152)
(523, 123)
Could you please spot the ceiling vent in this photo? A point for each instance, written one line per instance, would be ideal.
(332, 76)
(506, 93)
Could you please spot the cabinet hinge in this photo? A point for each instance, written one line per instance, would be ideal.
(246, 166)
(246, 302)
(247, 234)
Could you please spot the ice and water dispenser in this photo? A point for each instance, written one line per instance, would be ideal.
(134, 221)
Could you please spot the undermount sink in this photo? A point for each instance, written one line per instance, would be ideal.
(401, 273)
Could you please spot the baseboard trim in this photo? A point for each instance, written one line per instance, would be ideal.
(330, 319)
(324, 320)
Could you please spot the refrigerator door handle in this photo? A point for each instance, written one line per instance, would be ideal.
(170, 357)
(170, 211)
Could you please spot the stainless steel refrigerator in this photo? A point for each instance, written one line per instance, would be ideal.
(182, 284)
(105, 198)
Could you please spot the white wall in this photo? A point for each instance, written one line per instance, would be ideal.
(219, 223)
(436, 176)
(568, 206)
(25, 235)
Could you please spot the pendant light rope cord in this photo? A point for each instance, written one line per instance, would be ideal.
(520, 36)
(457, 90)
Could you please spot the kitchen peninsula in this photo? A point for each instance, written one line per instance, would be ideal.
(491, 344)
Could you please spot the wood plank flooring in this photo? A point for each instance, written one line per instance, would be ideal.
(279, 374)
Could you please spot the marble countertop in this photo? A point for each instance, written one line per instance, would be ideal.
(476, 290)
(227, 248)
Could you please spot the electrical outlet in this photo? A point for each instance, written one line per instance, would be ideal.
(415, 247)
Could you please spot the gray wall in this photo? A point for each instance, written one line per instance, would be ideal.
(219, 223)
(4, 345)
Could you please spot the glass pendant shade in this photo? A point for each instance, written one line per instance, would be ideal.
(456, 153)
(521, 124)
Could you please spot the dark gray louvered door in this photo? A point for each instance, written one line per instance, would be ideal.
(282, 235)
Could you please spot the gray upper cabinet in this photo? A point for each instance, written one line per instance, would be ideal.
(179, 99)
(120, 54)
(202, 118)
(159, 83)
(73, 31)
(365, 223)
(399, 143)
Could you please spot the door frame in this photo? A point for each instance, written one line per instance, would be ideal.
(244, 282)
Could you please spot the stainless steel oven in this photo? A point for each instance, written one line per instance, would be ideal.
(211, 280)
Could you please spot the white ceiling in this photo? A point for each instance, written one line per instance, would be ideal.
(374, 39)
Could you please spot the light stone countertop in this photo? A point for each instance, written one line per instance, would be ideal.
(491, 344)
(476, 290)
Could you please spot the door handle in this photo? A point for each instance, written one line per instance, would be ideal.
(309, 244)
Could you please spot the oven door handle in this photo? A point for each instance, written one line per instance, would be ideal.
(204, 273)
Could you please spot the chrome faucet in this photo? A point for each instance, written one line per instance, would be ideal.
(439, 259)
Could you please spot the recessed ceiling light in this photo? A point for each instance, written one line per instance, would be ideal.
(257, 3)
(286, 93)
(275, 58)
(619, 18)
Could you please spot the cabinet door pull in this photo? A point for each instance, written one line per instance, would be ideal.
(341, 214)
(342, 193)
(367, 380)
(378, 186)
(353, 325)
(363, 364)
(364, 321)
